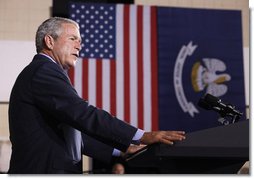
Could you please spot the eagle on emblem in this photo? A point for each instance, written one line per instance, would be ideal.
(209, 76)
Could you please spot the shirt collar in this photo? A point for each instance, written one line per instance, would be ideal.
(48, 57)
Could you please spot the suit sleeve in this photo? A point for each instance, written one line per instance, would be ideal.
(96, 149)
(55, 97)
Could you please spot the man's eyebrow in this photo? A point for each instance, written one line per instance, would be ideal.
(76, 37)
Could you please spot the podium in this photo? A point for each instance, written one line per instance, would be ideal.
(219, 150)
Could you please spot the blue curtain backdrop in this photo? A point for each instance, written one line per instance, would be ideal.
(200, 51)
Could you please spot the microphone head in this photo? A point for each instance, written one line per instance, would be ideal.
(209, 102)
(203, 104)
(212, 100)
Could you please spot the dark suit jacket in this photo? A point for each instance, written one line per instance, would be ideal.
(48, 121)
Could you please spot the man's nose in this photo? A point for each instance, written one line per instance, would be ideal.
(78, 46)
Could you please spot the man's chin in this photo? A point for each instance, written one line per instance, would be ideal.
(74, 62)
(71, 65)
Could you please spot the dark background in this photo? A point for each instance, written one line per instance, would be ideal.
(60, 8)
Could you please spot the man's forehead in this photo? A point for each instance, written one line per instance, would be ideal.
(69, 28)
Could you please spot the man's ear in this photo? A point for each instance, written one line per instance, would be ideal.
(49, 41)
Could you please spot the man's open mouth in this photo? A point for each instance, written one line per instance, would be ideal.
(76, 55)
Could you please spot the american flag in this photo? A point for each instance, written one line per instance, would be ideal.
(118, 69)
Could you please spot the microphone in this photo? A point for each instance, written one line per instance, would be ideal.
(210, 102)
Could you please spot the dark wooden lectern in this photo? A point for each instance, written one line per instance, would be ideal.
(219, 150)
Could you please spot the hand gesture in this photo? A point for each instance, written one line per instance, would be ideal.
(132, 149)
(166, 137)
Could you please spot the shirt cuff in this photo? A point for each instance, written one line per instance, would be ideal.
(116, 153)
(137, 137)
(135, 140)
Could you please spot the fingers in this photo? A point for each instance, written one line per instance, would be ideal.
(169, 137)
(166, 141)
(166, 137)
(173, 138)
(134, 148)
(176, 135)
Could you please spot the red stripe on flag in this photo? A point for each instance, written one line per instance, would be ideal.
(85, 71)
(71, 75)
(113, 87)
(126, 61)
(154, 70)
(140, 67)
(99, 83)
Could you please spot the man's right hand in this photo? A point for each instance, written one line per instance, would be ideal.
(166, 137)
(132, 149)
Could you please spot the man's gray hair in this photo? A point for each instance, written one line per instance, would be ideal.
(52, 27)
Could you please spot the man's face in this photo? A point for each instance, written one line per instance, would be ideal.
(67, 46)
(118, 169)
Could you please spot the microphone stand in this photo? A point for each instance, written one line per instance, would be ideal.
(209, 102)
(227, 113)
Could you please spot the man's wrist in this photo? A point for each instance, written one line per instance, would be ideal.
(116, 152)
(137, 137)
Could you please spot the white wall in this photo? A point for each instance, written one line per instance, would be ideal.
(19, 20)
(15, 56)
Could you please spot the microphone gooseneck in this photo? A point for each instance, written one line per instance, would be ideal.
(210, 102)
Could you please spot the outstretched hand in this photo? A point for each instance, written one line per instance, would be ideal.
(132, 149)
(166, 137)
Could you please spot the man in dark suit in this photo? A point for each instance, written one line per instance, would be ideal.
(50, 125)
